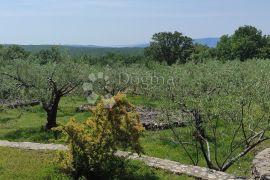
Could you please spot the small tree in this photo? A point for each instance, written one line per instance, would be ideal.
(47, 83)
(170, 47)
(92, 144)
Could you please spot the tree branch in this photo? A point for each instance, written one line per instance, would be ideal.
(23, 83)
(244, 152)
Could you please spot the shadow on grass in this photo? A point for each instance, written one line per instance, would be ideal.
(136, 170)
(8, 119)
(119, 169)
(32, 135)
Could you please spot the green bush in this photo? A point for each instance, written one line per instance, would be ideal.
(92, 144)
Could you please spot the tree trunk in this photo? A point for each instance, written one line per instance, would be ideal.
(52, 113)
(202, 139)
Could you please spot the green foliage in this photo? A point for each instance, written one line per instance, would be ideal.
(218, 95)
(111, 59)
(170, 47)
(33, 79)
(201, 53)
(92, 144)
(264, 52)
(78, 51)
(246, 43)
(14, 52)
(47, 83)
(49, 55)
(90, 55)
(224, 49)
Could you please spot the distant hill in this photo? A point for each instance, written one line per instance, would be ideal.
(210, 42)
(93, 50)
(143, 45)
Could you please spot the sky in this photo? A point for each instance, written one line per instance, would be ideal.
(124, 22)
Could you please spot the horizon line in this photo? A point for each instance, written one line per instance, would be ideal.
(75, 44)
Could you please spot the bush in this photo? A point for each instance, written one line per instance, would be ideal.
(92, 144)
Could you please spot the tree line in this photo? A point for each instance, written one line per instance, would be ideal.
(247, 42)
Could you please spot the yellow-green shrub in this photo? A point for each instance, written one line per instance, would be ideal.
(114, 124)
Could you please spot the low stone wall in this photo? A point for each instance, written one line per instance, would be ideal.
(33, 146)
(261, 165)
(178, 168)
(164, 164)
(19, 103)
(148, 116)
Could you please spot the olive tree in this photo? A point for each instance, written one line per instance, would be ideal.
(225, 107)
(48, 83)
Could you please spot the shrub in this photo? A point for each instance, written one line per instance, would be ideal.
(92, 144)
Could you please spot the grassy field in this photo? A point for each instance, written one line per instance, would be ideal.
(26, 124)
(26, 164)
(23, 164)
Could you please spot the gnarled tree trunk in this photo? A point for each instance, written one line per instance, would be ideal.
(51, 110)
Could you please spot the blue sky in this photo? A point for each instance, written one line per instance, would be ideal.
(124, 22)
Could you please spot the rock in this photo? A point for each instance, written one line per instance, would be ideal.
(148, 116)
(261, 165)
(84, 107)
